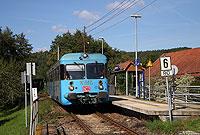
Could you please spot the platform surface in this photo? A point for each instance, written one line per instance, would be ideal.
(150, 107)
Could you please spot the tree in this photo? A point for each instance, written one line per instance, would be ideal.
(14, 53)
(11, 89)
(13, 46)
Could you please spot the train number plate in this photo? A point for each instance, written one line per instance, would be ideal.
(86, 88)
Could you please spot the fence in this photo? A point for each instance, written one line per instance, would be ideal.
(185, 95)
(34, 112)
(156, 93)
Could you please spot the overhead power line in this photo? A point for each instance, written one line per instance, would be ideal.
(129, 5)
(107, 14)
(125, 18)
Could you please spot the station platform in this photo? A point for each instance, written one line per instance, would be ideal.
(151, 107)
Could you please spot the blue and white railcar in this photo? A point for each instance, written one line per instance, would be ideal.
(79, 78)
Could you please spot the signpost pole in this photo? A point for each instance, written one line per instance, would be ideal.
(31, 107)
(149, 65)
(167, 87)
(170, 106)
(149, 85)
(126, 83)
(166, 70)
(25, 98)
(173, 88)
(115, 83)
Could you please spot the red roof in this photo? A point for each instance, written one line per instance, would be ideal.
(125, 65)
(128, 66)
(187, 61)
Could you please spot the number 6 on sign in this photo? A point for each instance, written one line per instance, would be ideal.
(165, 63)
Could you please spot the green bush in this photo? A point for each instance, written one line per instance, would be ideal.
(193, 125)
(165, 127)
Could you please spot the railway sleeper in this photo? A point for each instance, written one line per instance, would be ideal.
(49, 129)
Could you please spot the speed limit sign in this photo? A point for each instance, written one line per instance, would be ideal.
(165, 63)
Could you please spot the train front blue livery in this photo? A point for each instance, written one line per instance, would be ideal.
(79, 78)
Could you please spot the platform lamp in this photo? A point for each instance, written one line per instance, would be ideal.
(102, 38)
(136, 16)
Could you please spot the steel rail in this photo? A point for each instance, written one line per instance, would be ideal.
(130, 131)
(87, 129)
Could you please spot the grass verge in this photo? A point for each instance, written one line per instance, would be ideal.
(12, 122)
(47, 112)
(167, 127)
(45, 107)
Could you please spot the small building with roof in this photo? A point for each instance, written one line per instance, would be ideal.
(129, 69)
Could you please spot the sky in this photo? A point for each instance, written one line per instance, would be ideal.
(164, 24)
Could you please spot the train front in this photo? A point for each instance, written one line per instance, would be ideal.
(85, 79)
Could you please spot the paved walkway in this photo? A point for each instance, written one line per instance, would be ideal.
(150, 107)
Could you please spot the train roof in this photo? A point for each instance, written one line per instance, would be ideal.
(78, 56)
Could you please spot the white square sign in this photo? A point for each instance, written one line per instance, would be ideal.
(165, 63)
(34, 93)
(30, 68)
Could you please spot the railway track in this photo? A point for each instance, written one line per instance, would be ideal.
(91, 124)
(130, 131)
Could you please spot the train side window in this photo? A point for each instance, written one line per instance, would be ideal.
(62, 75)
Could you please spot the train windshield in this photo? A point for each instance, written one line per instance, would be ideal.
(76, 71)
(95, 70)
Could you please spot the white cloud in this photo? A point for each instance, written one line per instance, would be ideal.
(62, 29)
(59, 28)
(112, 5)
(30, 32)
(72, 30)
(86, 15)
(125, 4)
(43, 49)
(38, 20)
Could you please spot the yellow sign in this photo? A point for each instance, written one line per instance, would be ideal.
(149, 64)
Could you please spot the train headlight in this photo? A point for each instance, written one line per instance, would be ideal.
(84, 55)
(100, 87)
(71, 88)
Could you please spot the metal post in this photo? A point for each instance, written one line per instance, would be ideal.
(126, 83)
(169, 104)
(37, 112)
(167, 86)
(102, 38)
(143, 85)
(115, 83)
(186, 97)
(102, 46)
(25, 98)
(58, 53)
(31, 100)
(84, 39)
(136, 57)
(139, 87)
(149, 84)
(173, 90)
(136, 16)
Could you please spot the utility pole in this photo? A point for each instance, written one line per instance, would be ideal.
(58, 53)
(84, 39)
(102, 38)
